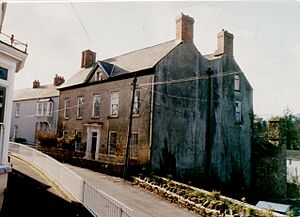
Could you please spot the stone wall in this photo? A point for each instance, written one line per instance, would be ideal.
(183, 149)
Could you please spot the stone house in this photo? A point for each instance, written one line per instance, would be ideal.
(35, 109)
(190, 111)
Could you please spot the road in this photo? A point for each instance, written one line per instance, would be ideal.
(143, 203)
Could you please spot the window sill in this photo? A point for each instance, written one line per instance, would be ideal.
(136, 115)
(66, 118)
(95, 117)
(113, 117)
(79, 118)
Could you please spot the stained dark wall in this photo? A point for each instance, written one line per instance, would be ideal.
(180, 118)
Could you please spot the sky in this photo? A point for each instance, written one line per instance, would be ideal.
(266, 39)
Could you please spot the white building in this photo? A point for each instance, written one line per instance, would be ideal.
(12, 59)
(35, 109)
(293, 166)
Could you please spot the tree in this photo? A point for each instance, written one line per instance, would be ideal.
(288, 131)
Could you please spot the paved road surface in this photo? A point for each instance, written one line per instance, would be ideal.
(143, 203)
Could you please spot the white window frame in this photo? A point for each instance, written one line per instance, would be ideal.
(136, 103)
(80, 102)
(112, 150)
(96, 98)
(49, 109)
(17, 109)
(238, 111)
(44, 108)
(134, 145)
(237, 82)
(67, 108)
(114, 104)
(98, 76)
(39, 109)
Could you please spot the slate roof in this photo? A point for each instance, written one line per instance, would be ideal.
(293, 154)
(144, 58)
(77, 78)
(44, 91)
(138, 60)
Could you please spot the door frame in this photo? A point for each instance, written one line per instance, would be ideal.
(90, 131)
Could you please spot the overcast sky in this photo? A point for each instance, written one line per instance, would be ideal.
(266, 39)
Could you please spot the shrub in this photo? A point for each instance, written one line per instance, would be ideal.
(20, 140)
(46, 138)
(67, 142)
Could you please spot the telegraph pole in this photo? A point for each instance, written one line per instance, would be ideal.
(125, 172)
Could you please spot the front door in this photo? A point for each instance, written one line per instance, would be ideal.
(93, 142)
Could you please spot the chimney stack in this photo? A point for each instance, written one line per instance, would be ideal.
(184, 28)
(88, 58)
(58, 80)
(225, 43)
(36, 84)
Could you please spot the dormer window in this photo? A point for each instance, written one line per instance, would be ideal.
(98, 76)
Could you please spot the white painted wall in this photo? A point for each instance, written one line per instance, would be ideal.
(293, 170)
(26, 122)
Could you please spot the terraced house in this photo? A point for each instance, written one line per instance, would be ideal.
(35, 109)
(190, 111)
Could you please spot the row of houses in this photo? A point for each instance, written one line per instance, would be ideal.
(190, 112)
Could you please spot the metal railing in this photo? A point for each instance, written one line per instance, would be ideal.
(10, 40)
(101, 204)
(96, 201)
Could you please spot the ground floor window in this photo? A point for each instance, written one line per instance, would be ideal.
(112, 143)
(134, 145)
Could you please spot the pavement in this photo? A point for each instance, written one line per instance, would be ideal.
(142, 203)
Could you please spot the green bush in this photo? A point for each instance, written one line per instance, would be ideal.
(67, 142)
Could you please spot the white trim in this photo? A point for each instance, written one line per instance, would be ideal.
(80, 98)
(93, 108)
(66, 108)
(89, 132)
(116, 102)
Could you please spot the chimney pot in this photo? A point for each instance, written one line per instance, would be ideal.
(58, 80)
(185, 28)
(88, 58)
(36, 84)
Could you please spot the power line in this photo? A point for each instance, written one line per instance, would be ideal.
(190, 79)
(82, 25)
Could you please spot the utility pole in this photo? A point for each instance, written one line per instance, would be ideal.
(125, 172)
(208, 124)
